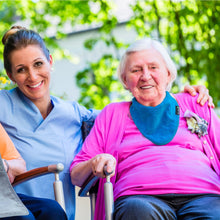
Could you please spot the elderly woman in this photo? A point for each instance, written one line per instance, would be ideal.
(163, 149)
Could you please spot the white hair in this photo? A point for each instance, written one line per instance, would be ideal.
(145, 44)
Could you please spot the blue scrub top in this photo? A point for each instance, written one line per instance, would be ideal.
(43, 142)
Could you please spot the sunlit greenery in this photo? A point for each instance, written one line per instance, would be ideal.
(189, 28)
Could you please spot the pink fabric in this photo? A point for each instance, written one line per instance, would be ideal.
(141, 169)
(104, 137)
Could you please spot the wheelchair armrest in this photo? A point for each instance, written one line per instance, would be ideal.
(90, 185)
(54, 168)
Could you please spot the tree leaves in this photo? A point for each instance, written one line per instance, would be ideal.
(190, 29)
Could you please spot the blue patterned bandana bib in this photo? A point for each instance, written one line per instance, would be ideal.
(159, 124)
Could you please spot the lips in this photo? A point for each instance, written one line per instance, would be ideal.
(36, 85)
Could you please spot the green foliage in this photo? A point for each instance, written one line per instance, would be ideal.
(98, 83)
(190, 29)
(47, 17)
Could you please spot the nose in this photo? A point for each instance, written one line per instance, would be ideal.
(32, 74)
(145, 74)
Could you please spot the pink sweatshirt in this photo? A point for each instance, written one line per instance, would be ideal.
(185, 165)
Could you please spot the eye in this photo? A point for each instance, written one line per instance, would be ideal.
(135, 70)
(153, 67)
(20, 70)
(38, 64)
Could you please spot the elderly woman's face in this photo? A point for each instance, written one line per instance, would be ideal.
(146, 76)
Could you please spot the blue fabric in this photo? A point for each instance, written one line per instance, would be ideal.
(40, 209)
(159, 124)
(42, 142)
(142, 207)
(168, 207)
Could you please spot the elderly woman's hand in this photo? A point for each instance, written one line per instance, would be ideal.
(102, 160)
(203, 94)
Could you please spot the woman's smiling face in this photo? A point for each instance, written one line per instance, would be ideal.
(31, 71)
(146, 76)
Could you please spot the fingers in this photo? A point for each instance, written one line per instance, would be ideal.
(110, 168)
(103, 160)
(210, 102)
(190, 89)
(203, 96)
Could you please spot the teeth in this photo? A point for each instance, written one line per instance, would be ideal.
(146, 87)
(35, 86)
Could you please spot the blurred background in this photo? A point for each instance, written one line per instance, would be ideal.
(87, 37)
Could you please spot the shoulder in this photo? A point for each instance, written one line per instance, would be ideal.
(74, 109)
(66, 108)
(8, 99)
(3, 96)
(13, 95)
(58, 102)
(188, 102)
(115, 110)
(111, 116)
(117, 106)
(6, 94)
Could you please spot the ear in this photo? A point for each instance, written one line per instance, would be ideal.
(10, 76)
(124, 80)
(168, 76)
(51, 60)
